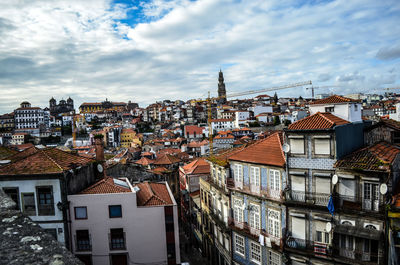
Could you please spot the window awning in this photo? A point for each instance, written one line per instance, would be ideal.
(358, 232)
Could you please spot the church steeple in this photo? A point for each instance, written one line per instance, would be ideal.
(221, 88)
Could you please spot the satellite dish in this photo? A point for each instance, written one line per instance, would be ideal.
(328, 227)
(286, 148)
(99, 168)
(335, 179)
(383, 189)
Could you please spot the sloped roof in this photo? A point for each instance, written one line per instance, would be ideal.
(377, 157)
(317, 121)
(166, 160)
(144, 161)
(266, 151)
(221, 158)
(105, 186)
(333, 99)
(193, 128)
(197, 144)
(153, 194)
(6, 152)
(43, 161)
(198, 166)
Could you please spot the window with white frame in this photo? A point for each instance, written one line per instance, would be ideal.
(274, 258)
(296, 145)
(274, 226)
(255, 252)
(239, 245)
(255, 176)
(254, 216)
(238, 210)
(238, 173)
(274, 180)
(320, 232)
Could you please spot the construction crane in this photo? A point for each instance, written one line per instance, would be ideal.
(317, 87)
(210, 99)
(387, 88)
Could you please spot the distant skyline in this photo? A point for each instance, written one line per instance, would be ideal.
(147, 51)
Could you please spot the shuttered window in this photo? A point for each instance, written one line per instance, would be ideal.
(296, 145)
(299, 228)
(322, 146)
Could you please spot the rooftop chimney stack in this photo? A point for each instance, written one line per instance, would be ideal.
(98, 142)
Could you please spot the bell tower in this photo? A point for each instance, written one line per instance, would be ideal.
(221, 88)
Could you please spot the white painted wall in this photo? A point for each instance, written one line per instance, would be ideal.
(348, 111)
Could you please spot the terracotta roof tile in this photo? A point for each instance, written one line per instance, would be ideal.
(266, 151)
(144, 161)
(6, 152)
(317, 121)
(153, 194)
(333, 99)
(378, 157)
(43, 161)
(191, 129)
(198, 166)
(166, 160)
(104, 186)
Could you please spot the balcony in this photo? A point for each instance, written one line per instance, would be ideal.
(253, 232)
(117, 240)
(82, 241)
(360, 255)
(320, 199)
(255, 190)
(358, 203)
(311, 247)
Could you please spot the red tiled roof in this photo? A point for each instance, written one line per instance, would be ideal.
(317, 121)
(221, 158)
(169, 151)
(104, 186)
(166, 160)
(267, 151)
(378, 157)
(21, 155)
(147, 154)
(160, 170)
(333, 99)
(227, 136)
(198, 166)
(194, 144)
(191, 129)
(222, 120)
(44, 161)
(6, 152)
(144, 161)
(153, 194)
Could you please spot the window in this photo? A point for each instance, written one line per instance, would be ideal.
(80, 212)
(254, 216)
(274, 223)
(239, 244)
(355, 107)
(45, 200)
(274, 180)
(274, 258)
(322, 146)
(82, 240)
(238, 173)
(396, 137)
(296, 145)
(115, 211)
(119, 259)
(52, 232)
(237, 210)
(117, 238)
(255, 176)
(330, 109)
(28, 203)
(347, 242)
(255, 252)
(13, 193)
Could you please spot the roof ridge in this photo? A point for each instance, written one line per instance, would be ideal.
(326, 118)
(51, 159)
(280, 145)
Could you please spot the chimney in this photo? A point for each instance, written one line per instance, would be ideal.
(98, 142)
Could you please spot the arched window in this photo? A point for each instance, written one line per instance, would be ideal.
(346, 223)
(372, 227)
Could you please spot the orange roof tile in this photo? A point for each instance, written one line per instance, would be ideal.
(166, 160)
(144, 161)
(266, 151)
(43, 161)
(104, 186)
(153, 194)
(317, 121)
(198, 166)
(191, 129)
(378, 157)
(333, 99)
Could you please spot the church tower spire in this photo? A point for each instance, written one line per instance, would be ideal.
(221, 88)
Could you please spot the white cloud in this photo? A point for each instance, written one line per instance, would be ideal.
(78, 48)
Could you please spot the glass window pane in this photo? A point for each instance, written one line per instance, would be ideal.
(80, 213)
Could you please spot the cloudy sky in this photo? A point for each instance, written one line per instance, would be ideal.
(152, 50)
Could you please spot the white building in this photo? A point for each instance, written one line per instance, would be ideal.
(241, 118)
(27, 116)
(345, 108)
(115, 223)
(222, 125)
(257, 110)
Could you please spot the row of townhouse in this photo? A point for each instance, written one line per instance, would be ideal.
(316, 194)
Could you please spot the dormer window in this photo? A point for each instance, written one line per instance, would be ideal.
(330, 109)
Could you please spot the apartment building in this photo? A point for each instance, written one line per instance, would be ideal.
(117, 223)
(258, 222)
(26, 116)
